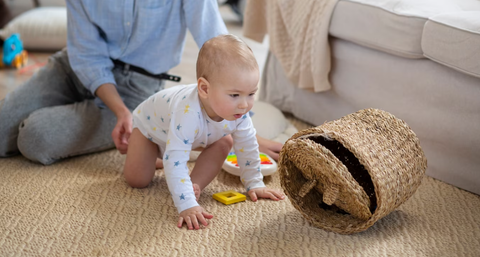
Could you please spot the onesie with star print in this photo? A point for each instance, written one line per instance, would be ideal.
(175, 120)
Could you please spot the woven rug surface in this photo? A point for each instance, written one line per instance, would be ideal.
(83, 207)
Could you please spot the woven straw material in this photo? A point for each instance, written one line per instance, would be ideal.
(385, 167)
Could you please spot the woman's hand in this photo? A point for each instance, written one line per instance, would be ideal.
(121, 132)
(269, 147)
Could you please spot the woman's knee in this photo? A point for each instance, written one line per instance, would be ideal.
(33, 140)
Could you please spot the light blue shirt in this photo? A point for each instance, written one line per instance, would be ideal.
(146, 33)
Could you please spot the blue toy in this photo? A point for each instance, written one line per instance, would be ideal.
(13, 53)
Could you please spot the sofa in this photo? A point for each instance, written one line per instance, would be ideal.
(417, 59)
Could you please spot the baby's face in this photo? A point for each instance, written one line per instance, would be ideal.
(232, 94)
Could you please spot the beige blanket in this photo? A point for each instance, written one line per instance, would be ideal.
(298, 33)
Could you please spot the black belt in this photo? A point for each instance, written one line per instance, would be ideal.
(127, 67)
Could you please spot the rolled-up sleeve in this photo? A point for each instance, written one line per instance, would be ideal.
(87, 50)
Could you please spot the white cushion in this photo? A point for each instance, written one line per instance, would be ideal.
(392, 26)
(453, 39)
(43, 28)
(270, 122)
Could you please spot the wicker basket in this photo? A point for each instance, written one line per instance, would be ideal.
(345, 175)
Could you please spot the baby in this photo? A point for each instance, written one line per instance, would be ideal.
(174, 121)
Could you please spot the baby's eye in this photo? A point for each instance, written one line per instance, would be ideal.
(234, 95)
(251, 94)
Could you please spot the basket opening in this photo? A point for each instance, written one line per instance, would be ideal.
(358, 171)
(332, 208)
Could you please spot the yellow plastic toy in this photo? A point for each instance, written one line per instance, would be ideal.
(229, 197)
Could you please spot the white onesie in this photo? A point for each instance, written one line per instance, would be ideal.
(175, 120)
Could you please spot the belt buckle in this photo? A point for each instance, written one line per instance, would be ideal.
(126, 68)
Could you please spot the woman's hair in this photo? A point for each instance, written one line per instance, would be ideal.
(224, 51)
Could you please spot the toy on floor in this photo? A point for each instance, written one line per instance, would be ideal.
(229, 197)
(13, 53)
(346, 174)
(268, 166)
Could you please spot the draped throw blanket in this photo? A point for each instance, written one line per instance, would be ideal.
(298, 31)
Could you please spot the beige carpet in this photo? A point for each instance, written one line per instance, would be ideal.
(83, 207)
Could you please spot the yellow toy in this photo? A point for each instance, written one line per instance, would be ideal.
(229, 197)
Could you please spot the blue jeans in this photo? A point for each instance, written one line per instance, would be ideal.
(53, 116)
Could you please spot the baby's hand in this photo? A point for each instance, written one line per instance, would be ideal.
(265, 192)
(192, 216)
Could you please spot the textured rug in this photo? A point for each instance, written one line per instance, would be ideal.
(83, 207)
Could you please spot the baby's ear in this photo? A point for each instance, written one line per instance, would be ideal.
(203, 87)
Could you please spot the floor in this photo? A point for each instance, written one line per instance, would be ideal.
(12, 78)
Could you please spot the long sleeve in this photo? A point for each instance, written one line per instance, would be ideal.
(181, 135)
(203, 20)
(87, 50)
(246, 149)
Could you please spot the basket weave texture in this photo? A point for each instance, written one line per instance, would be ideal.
(345, 175)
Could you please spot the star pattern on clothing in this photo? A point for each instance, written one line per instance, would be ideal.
(182, 197)
(244, 116)
(166, 157)
(148, 117)
(164, 131)
(154, 128)
(176, 163)
(179, 127)
(186, 109)
(248, 189)
(139, 111)
(259, 169)
(168, 141)
(241, 150)
(168, 101)
(150, 138)
(184, 97)
(247, 163)
(196, 131)
(225, 126)
(161, 118)
(185, 141)
(182, 180)
(209, 134)
(164, 95)
(155, 114)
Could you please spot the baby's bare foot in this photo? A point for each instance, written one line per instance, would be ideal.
(197, 191)
(159, 164)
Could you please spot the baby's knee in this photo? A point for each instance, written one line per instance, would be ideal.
(225, 144)
(135, 180)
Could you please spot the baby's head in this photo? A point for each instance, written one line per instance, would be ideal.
(227, 74)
